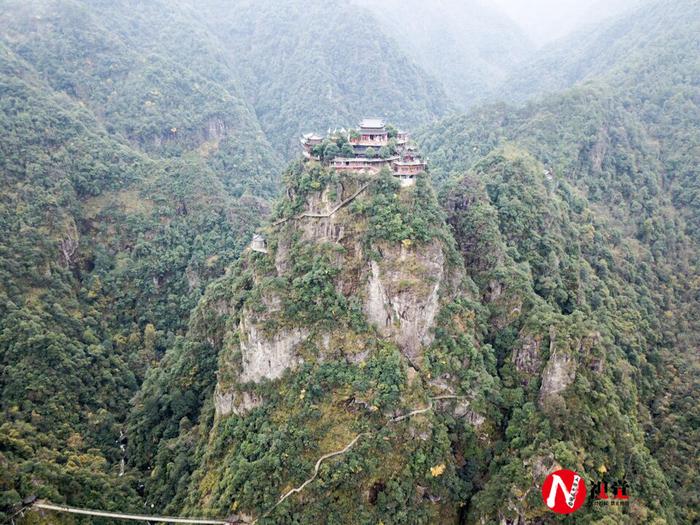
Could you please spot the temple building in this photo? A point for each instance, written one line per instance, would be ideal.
(357, 164)
(372, 132)
(308, 141)
(369, 149)
(408, 166)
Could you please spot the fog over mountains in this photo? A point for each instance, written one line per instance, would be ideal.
(547, 20)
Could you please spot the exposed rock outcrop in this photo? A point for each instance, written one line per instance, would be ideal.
(193, 279)
(564, 357)
(215, 129)
(403, 295)
(400, 293)
(264, 357)
(232, 402)
(527, 358)
(506, 303)
(462, 409)
(559, 373)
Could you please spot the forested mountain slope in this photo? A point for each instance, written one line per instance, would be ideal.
(628, 145)
(639, 122)
(58, 421)
(134, 170)
(542, 341)
(151, 74)
(467, 45)
(575, 335)
(128, 184)
(311, 64)
(542, 311)
(291, 356)
(653, 42)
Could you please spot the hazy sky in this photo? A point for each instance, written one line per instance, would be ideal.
(546, 20)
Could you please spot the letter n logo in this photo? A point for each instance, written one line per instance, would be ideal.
(564, 491)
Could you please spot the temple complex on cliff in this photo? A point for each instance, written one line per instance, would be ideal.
(367, 149)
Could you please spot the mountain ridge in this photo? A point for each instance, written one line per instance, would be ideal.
(614, 49)
(458, 47)
(321, 79)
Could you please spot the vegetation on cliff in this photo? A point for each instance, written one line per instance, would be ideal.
(109, 237)
(617, 152)
(341, 378)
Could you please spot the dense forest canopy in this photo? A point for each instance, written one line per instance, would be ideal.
(313, 65)
(531, 302)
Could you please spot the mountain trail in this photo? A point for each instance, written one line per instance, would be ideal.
(349, 446)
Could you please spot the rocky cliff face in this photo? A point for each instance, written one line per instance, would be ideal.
(403, 295)
(348, 324)
(418, 378)
(527, 357)
(266, 357)
(399, 287)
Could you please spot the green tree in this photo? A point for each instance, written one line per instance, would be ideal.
(385, 152)
(330, 152)
(347, 151)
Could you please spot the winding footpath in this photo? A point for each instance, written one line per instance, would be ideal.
(323, 215)
(204, 521)
(134, 517)
(318, 465)
(347, 447)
